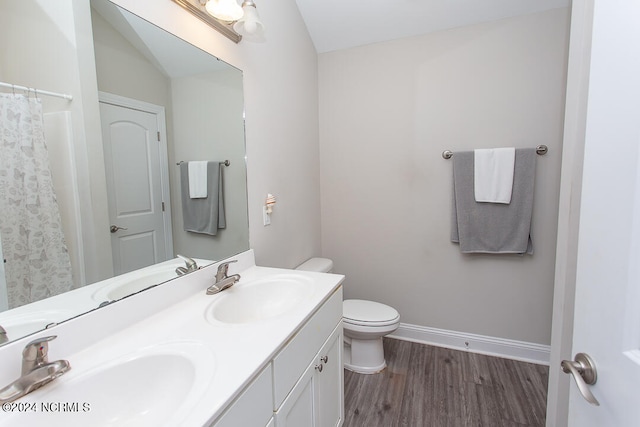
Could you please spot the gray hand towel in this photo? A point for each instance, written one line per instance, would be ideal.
(204, 215)
(492, 227)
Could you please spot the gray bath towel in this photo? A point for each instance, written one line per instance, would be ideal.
(492, 227)
(204, 215)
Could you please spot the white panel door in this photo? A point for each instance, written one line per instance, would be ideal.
(134, 187)
(607, 311)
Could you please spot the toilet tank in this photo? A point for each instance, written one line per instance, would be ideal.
(320, 265)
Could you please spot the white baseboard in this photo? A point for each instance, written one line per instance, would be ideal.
(492, 346)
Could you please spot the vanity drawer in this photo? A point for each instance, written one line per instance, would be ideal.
(293, 359)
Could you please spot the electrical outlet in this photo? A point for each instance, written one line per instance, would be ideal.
(266, 218)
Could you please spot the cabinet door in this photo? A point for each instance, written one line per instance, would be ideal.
(254, 407)
(297, 410)
(301, 350)
(330, 382)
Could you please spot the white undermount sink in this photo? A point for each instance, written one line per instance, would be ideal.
(260, 299)
(156, 386)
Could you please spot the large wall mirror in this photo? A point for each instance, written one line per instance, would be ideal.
(94, 191)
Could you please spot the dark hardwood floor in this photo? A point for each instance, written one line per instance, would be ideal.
(438, 387)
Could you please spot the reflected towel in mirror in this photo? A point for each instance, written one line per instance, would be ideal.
(198, 179)
(205, 215)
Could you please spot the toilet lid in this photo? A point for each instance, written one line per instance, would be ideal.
(369, 312)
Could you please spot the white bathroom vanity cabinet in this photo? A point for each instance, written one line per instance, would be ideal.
(265, 352)
(302, 385)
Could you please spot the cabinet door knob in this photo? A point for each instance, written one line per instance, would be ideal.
(324, 359)
(319, 367)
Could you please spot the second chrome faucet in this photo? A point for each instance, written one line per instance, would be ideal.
(222, 280)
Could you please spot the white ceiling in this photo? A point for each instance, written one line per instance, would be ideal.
(342, 24)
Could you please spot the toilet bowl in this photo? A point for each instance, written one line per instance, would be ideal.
(364, 322)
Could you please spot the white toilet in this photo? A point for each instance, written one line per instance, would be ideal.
(364, 323)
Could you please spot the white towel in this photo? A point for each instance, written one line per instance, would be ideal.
(493, 174)
(198, 180)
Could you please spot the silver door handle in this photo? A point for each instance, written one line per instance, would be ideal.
(115, 228)
(584, 373)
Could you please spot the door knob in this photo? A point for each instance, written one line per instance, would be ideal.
(115, 228)
(584, 373)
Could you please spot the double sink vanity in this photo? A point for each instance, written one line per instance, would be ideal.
(266, 351)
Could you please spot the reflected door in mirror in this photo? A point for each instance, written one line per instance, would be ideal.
(134, 187)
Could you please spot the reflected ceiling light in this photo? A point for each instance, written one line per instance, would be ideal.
(225, 10)
(250, 24)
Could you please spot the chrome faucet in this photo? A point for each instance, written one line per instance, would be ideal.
(36, 370)
(3, 335)
(222, 280)
(191, 265)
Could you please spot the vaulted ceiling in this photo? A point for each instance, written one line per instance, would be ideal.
(341, 24)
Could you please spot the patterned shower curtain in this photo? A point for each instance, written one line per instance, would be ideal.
(37, 263)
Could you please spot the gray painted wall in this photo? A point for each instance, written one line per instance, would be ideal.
(387, 111)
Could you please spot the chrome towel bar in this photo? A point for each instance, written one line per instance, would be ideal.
(540, 150)
(226, 162)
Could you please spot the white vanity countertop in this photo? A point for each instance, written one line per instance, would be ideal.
(227, 355)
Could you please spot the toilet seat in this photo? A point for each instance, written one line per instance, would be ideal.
(372, 325)
(368, 313)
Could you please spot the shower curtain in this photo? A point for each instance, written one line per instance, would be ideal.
(37, 263)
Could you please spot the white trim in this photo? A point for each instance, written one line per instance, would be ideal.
(481, 344)
(564, 287)
(159, 111)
